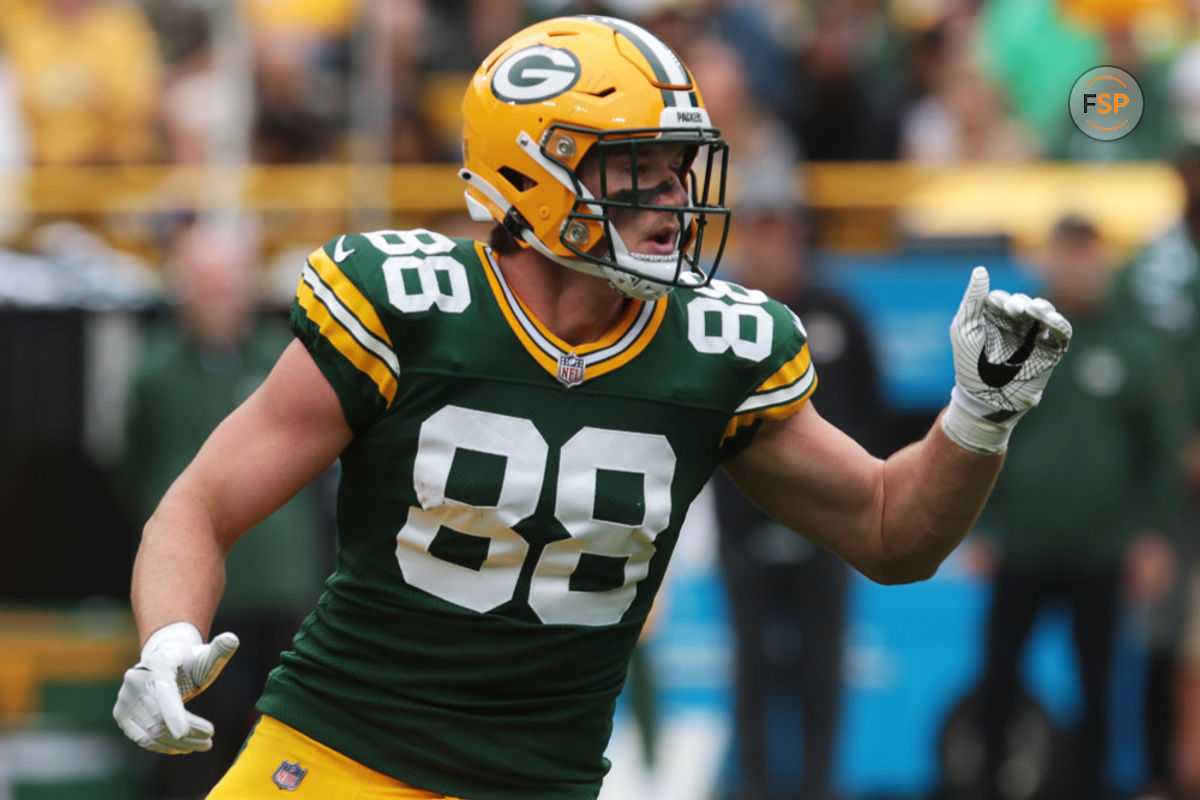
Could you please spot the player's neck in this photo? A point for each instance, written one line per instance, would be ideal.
(576, 307)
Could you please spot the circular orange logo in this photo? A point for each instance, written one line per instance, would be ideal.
(1106, 103)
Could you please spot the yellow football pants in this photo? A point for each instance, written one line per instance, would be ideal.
(277, 757)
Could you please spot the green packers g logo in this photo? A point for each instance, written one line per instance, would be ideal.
(535, 73)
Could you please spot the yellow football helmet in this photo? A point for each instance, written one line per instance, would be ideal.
(552, 93)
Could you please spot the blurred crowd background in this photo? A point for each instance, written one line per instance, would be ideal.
(165, 166)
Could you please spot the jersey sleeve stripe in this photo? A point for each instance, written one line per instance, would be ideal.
(779, 404)
(336, 324)
(789, 373)
(348, 295)
(800, 388)
(381, 348)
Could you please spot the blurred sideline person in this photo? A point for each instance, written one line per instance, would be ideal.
(521, 429)
(193, 370)
(1161, 287)
(787, 595)
(1079, 514)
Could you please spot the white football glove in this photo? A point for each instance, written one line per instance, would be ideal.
(1005, 346)
(176, 665)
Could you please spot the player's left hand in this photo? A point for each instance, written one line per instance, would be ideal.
(1005, 347)
(176, 665)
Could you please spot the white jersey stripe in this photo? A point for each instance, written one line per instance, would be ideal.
(549, 348)
(350, 322)
(778, 397)
(544, 344)
(631, 335)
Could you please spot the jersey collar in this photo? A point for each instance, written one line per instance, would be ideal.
(573, 364)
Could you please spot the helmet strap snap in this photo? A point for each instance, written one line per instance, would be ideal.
(516, 224)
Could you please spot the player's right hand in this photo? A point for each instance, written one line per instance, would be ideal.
(176, 665)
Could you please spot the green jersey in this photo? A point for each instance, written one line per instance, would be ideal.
(508, 506)
(1093, 465)
(1161, 287)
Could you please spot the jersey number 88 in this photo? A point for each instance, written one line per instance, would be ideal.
(525, 454)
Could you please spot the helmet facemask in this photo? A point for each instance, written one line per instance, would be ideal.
(590, 230)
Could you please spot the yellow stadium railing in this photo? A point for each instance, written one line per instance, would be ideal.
(857, 205)
(42, 646)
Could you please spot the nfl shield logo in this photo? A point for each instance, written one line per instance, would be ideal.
(570, 370)
(289, 775)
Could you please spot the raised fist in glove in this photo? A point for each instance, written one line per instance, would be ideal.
(176, 665)
(1005, 346)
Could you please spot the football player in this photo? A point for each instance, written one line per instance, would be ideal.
(521, 428)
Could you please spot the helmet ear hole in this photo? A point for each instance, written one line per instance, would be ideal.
(519, 180)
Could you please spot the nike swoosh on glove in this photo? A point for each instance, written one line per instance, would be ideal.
(1005, 347)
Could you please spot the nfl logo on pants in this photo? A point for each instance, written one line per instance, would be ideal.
(289, 775)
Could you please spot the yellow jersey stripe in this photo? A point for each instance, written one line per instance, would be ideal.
(638, 345)
(777, 404)
(762, 399)
(345, 343)
(348, 294)
(789, 372)
(619, 329)
(547, 363)
(353, 325)
(623, 342)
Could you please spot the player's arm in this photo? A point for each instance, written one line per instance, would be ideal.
(896, 520)
(284, 435)
(277, 441)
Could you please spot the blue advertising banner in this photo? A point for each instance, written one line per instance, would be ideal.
(908, 300)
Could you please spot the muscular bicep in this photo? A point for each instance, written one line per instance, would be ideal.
(816, 480)
(284, 435)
